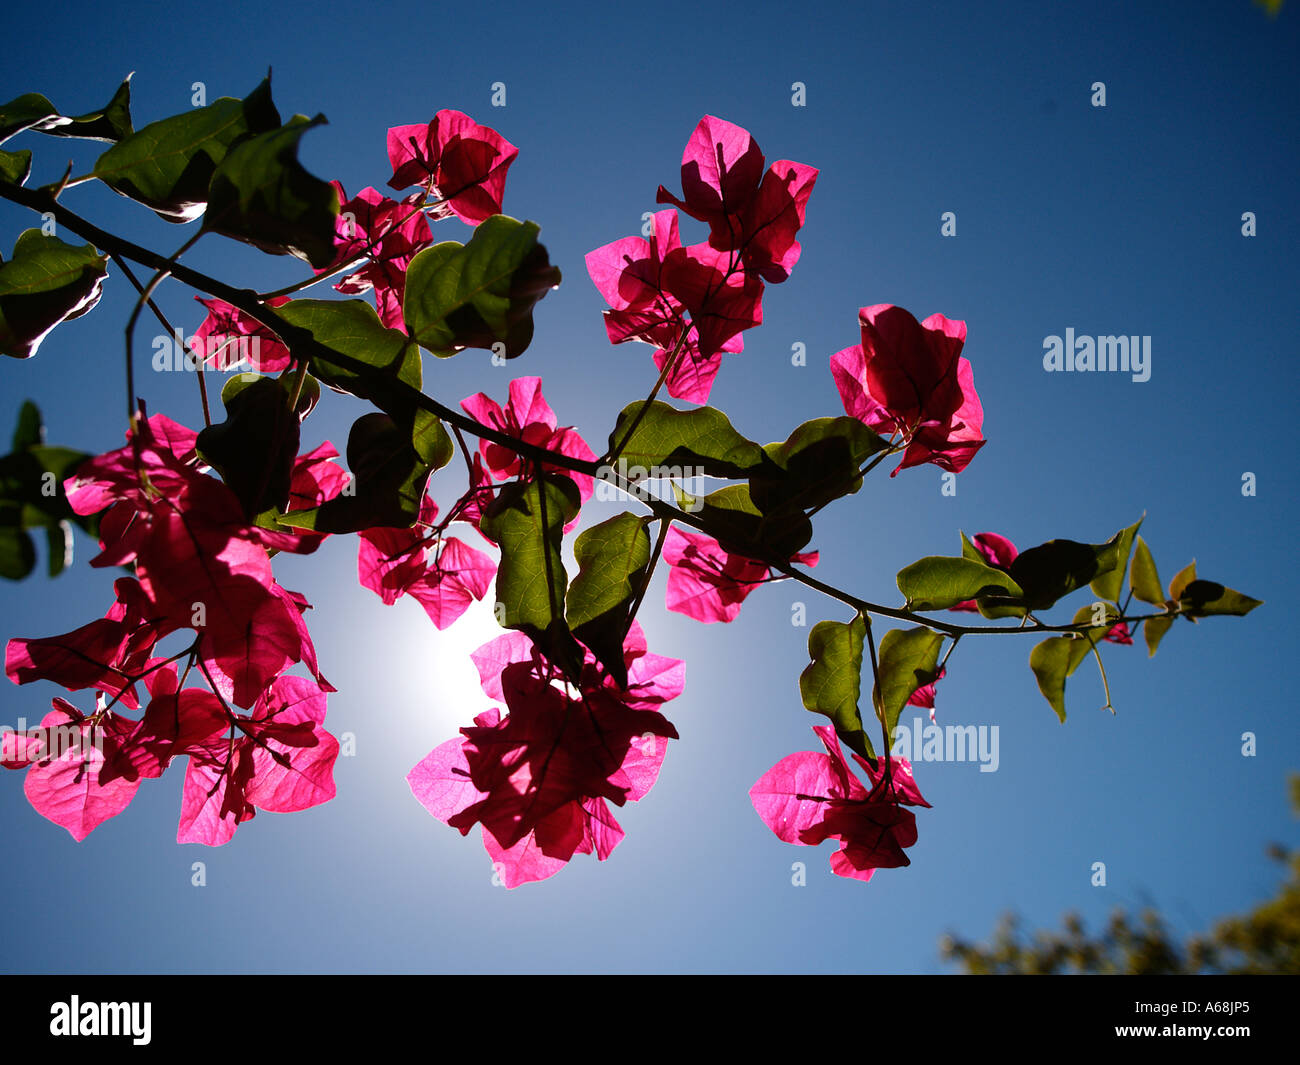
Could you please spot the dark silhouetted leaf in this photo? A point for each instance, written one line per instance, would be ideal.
(818, 463)
(254, 448)
(45, 282)
(1202, 598)
(169, 164)
(262, 195)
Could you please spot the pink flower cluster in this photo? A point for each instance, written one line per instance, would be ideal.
(692, 302)
(199, 565)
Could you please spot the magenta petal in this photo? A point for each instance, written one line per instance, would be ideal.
(212, 801)
(306, 781)
(772, 219)
(721, 169)
(997, 550)
(602, 833)
(845, 784)
(528, 404)
(706, 582)
(173, 724)
(64, 786)
(522, 863)
(849, 369)
(492, 658)
(692, 375)
(640, 768)
(18, 750)
(460, 575)
(608, 264)
(792, 796)
(442, 784)
(408, 148)
(901, 775)
(389, 561)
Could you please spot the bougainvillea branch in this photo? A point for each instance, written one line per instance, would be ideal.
(196, 518)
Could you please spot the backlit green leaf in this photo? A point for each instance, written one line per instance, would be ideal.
(612, 560)
(939, 581)
(527, 520)
(702, 439)
(831, 684)
(479, 294)
(908, 659)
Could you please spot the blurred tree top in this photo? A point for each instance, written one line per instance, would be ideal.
(1265, 940)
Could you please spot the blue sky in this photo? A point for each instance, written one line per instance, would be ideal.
(1123, 219)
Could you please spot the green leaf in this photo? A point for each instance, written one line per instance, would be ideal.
(169, 164)
(33, 111)
(939, 581)
(1145, 583)
(262, 195)
(1181, 580)
(1153, 631)
(32, 497)
(1052, 661)
(969, 550)
(17, 552)
(908, 659)
(15, 166)
(741, 528)
(58, 540)
(44, 283)
(30, 429)
(31, 479)
(29, 111)
(111, 123)
(431, 440)
(479, 294)
(1110, 582)
(353, 329)
(376, 363)
(612, 561)
(307, 400)
(1143, 579)
(1202, 598)
(44, 469)
(1057, 568)
(254, 448)
(703, 438)
(527, 519)
(991, 606)
(1058, 656)
(818, 463)
(388, 486)
(831, 684)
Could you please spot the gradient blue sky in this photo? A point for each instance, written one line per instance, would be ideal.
(1117, 220)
